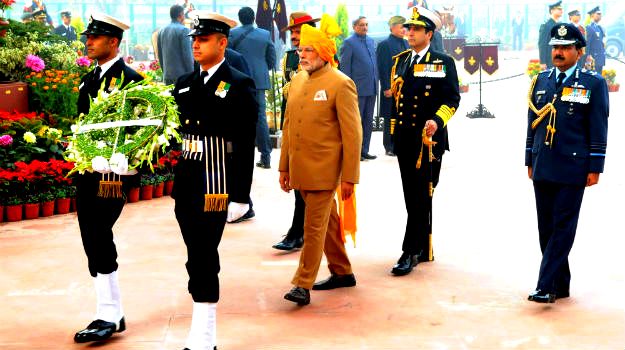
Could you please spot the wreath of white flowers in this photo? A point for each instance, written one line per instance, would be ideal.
(134, 121)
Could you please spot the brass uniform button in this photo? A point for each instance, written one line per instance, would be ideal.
(427, 93)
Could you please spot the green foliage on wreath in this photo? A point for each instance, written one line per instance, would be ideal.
(136, 101)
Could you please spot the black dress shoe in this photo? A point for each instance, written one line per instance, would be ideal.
(368, 156)
(298, 295)
(99, 330)
(250, 214)
(562, 294)
(263, 165)
(405, 264)
(336, 281)
(390, 154)
(362, 159)
(541, 296)
(289, 243)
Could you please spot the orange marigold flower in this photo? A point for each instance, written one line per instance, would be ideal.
(74, 89)
(46, 87)
(33, 84)
(54, 87)
(47, 80)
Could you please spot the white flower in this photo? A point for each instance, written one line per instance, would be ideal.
(100, 164)
(165, 93)
(162, 140)
(74, 128)
(100, 144)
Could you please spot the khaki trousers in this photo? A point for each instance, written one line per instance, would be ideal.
(321, 234)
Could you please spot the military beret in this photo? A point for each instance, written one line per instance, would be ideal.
(205, 23)
(396, 20)
(566, 34)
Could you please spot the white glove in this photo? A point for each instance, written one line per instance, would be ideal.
(119, 164)
(236, 210)
(101, 165)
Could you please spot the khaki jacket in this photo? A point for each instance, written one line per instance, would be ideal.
(322, 133)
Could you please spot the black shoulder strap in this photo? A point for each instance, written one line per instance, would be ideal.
(240, 39)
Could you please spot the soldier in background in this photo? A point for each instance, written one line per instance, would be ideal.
(595, 37)
(65, 29)
(544, 51)
(387, 48)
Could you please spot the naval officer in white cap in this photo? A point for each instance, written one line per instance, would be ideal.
(97, 215)
(218, 114)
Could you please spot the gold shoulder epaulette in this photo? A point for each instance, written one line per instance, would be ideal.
(402, 53)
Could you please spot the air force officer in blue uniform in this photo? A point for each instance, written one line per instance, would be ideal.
(565, 152)
(596, 35)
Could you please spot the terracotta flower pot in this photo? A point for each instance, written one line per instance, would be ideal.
(158, 190)
(613, 87)
(464, 88)
(47, 209)
(146, 192)
(1, 213)
(133, 195)
(169, 185)
(62, 205)
(31, 211)
(72, 206)
(14, 212)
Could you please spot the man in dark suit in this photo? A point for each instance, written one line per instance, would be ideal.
(66, 30)
(357, 61)
(387, 48)
(425, 88)
(174, 47)
(596, 36)
(256, 46)
(294, 238)
(544, 51)
(218, 113)
(97, 215)
(563, 163)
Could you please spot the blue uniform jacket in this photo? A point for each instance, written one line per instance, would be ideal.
(357, 61)
(595, 48)
(258, 50)
(579, 144)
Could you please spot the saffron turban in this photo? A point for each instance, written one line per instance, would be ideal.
(322, 38)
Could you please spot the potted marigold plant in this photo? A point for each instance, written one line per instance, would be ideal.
(63, 200)
(463, 87)
(46, 203)
(147, 186)
(534, 67)
(610, 77)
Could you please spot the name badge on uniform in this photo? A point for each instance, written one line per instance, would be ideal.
(571, 94)
(320, 96)
(430, 70)
(182, 91)
(222, 89)
(81, 85)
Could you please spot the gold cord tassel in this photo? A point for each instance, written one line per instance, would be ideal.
(392, 128)
(110, 188)
(215, 202)
(548, 109)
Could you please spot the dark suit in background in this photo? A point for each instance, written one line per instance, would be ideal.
(544, 50)
(174, 51)
(358, 61)
(256, 46)
(596, 49)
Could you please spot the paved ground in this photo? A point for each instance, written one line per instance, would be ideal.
(472, 297)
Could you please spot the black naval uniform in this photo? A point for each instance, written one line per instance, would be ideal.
(561, 165)
(419, 99)
(290, 66)
(97, 215)
(68, 33)
(229, 120)
(544, 35)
